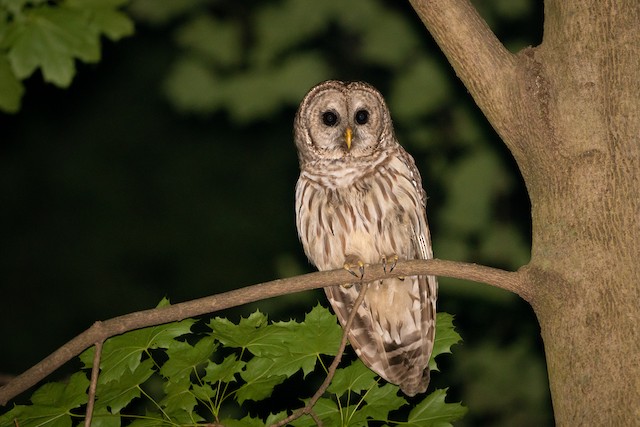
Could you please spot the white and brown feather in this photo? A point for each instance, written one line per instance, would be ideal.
(366, 203)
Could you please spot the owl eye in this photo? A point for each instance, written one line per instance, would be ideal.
(362, 117)
(329, 118)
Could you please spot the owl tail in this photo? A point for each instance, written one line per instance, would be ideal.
(416, 385)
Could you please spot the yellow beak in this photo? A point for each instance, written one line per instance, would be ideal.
(347, 137)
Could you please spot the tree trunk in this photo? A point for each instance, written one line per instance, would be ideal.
(582, 169)
(569, 112)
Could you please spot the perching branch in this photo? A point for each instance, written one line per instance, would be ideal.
(479, 59)
(100, 331)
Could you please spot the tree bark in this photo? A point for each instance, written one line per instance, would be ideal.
(568, 110)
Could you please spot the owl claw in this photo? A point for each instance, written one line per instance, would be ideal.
(385, 262)
(353, 262)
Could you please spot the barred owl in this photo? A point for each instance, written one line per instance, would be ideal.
(359, 201)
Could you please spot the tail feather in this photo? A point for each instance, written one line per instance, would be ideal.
(392, 335)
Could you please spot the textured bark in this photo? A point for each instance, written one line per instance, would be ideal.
(569, 111)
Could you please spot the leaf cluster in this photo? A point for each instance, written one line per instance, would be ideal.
(46, 36)
(170, 375)
(252, 60)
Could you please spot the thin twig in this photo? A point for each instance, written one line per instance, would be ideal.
(95, 371)
(308, 408)
(316, 418)
(100, 331)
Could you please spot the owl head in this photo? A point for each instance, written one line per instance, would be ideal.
(341, 120)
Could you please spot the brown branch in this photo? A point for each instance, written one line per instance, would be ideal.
(483, 64)
(100, 331)
(316, 418)
(95, 371)
(308, 408)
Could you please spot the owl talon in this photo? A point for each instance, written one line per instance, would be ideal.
(385, 262)
(351, 263)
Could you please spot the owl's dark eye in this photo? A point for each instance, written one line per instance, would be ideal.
(362, 117)
(329, 118)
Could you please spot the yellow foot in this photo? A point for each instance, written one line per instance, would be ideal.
(351, 263)
(389, 262)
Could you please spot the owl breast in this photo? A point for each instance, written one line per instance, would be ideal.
(371, 216)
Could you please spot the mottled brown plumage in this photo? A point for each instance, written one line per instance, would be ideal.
(359, 199)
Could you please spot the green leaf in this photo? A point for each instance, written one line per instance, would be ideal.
(278, 27)
(247, 421)
(52, 404)
(151, 420)
(182, 418)
(274, 418)
(103, 418)
(160, 11)
(191, 86)
(321, 333)
(164, 302)
(504, 244)
(122, 354)
(179, 397)
(472, 185)
(184, 359)
(355, 377)
(63, 395)
(103, 17)
(381, 401)
(446, 336)
(274, 341)
(326, 410)
(225, 371)
(260, 380)
(298, 345)
(204, 393)
(513, 9)
(7, 419)
(35, 416)
(50, 38)
(117, 394)
(419, 89)
(211, 38)
(387, 37)
(15, 7)
(288, 363)
(243, 335)
(11, 89)
(96, 4)
(112, 23)
(287, 82)
(433, 411)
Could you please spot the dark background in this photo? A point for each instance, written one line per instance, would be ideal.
(168, 169)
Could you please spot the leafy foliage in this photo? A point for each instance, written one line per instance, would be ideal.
(169, 375)
(35, 34)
